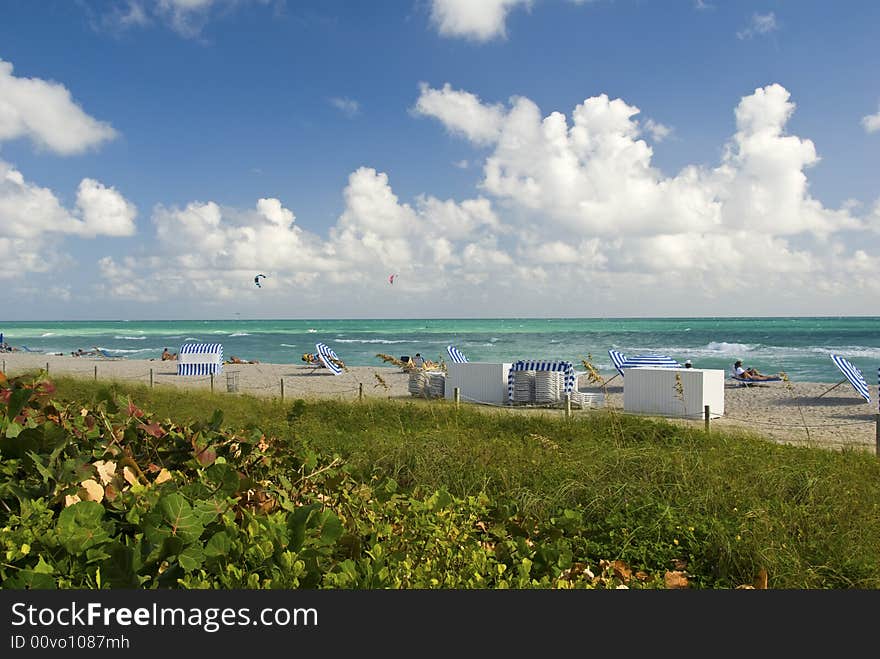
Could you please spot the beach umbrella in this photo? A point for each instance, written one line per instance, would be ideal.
(853, 375)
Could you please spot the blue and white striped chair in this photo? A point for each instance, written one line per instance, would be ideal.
(456, 355)
(329, 358)
(622, 362)
(200, 359)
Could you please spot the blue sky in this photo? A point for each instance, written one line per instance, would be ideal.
(704, 158)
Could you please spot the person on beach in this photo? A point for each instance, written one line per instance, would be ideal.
(688, 364)
(168, 356)
(748, 373)
(417, 361)
(237, 360)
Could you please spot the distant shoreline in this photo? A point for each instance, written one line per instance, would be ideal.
(837, 420)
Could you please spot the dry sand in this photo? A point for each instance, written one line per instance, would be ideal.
(778, 410)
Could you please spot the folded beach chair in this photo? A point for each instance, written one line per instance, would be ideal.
(456, 355)
(622, 362)
(100, 353)
(853, 375)
(329, 358)
(26, 349)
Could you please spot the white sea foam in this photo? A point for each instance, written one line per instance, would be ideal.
(130, 338)
(729, 348)
(384, 341)
(240, 334)
(48, 334)
(312, 331)
(288, 345)
(190, 338)
(132, 351)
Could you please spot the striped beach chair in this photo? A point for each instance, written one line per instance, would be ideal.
(329, 358)
(200, 359)
(622, 362)
(456, 355)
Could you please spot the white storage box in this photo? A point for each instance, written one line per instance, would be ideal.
(649, 390)
(478, 382)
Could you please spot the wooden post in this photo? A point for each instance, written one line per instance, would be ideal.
(877, 435)
(4, 365)
(151, 378)
(567, 406)
(212, 383)
(360, 391)
(457, 396)
(47, 367)
(706, 416)
(282, 390)
(96, 372)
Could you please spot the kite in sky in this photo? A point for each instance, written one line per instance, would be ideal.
(391, 279)
(257, 280)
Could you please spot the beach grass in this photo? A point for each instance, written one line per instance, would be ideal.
(729, 506)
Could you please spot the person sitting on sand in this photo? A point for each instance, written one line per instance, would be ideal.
(311, 359)
(749, 373)
(168, 356)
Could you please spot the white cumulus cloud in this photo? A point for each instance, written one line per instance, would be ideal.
(871, 122)
(479, 20)
(45, 113)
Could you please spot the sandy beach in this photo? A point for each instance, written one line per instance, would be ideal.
(780, 411)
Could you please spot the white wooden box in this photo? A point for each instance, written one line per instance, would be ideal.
(478, 382)
(648, 390)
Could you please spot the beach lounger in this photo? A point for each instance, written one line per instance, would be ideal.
(100, 353)
(622, 362)
(329, 358)
(748, 382)
(456, 355)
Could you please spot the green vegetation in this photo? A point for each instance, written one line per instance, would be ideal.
(219, 491)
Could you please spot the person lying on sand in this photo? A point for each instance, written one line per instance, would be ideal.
(235, 360)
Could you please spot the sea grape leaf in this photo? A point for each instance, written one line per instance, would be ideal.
(41, 468)
(79, 527)
(219, 544)
(119, 569)
(179, 515)
(191, 558)
(224, 477)
(29, 580)
(17, 401)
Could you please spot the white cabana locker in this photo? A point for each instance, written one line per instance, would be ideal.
(649, 390)
(481, 382)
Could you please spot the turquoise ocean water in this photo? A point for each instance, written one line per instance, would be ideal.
(798, 346)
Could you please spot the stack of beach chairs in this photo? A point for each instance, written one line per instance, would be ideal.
(548, 386)
(523, 386)
(427, 384)
(583, 399)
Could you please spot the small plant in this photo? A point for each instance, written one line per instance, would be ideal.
(797, 401)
